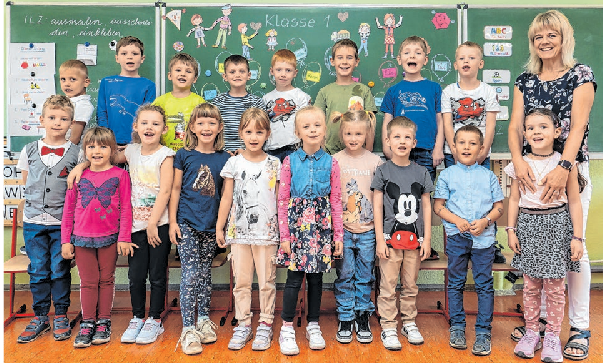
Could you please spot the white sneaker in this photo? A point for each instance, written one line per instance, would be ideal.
(314, 335)
(287, 341)
(150, 331)
(207, 328)
(389, 337)
(190, 340)
(129, 336)
(263, 338)
(242, 334)
(411, 332)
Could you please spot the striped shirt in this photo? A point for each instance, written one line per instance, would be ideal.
(231, 109)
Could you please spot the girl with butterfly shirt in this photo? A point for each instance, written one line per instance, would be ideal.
(96, 226)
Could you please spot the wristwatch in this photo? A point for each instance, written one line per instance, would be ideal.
(565, 164)
(489, 220)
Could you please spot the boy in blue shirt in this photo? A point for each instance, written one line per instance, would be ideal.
(418, 99)
(469, 200)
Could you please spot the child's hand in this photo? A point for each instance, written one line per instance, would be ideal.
(220, 238)
(126, 248)
(513, 243)
(382, 249)
(338, 248)
(577, 249)
(425, 249)
(481, 157)
(478, 226)
(153, 235)
(286, 247)
(437, 156)
(67, 251)
(175, 234)
(75, 175)
(463, 225)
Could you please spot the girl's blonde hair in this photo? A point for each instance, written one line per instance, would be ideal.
(204, 110)
(258, 117)
(141, 109)
(102, 136)
(364, 117)
(558, 22)
(307, 110)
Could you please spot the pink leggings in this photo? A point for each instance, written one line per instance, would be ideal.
(554, 289)
(97, 274)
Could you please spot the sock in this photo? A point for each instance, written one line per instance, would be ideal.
(266, 324)
(288, 324)
(310, 323)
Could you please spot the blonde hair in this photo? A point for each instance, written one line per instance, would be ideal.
(187, 60)
(271, 30)
(414, 39)
(141, 109)
(204, 110)
(470, 44)
(350, 117)
(558, 22)
(307, 110)
(256, 116)
(58, 102)
(102, 136)
(74, 64)
(401, 121)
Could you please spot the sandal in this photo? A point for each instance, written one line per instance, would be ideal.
(522, 330)
(582, 334)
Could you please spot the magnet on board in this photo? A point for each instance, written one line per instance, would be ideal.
(208, 73)
(371, 84)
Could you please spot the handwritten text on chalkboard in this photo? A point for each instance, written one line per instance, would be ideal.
(91, 27)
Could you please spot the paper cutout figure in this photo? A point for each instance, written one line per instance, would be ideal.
(440, 66)
(175, 16)
(503, 114)
(389, 24)
(365, 31)
(225, 25)
(378, 101)
(245, 40)
(355, 79)
(299, 48)
(87, 54)
(496, 75)
(271, 41)
(210, 94)
(253, 73)
(389, 72)
(221, 68)
(502, 93)
(441, 20)
(178, 46)
(498, 49)
(343, 16)
(496, 32)
(313, 76)
(196, 20)
(342, 34)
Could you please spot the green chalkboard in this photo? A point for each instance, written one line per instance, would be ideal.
(70, 25)
(310, 32)
(589, 44)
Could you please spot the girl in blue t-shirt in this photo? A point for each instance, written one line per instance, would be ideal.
(193, 210)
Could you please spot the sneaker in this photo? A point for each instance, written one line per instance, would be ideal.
(36, 327)
(242, 334)
(411, 332)
(287, 341)
(314, 335)
(263, 337)
(207, 329)
(61, 330)
(129, 336)
(190, 341)
(102, 333)
(528, 344)
(482, 345)
(457, 338)
(344, 332)
(363, 327)
(389, 337)
(22, 250)
(551, 349)
(84, 337)
(150, 331)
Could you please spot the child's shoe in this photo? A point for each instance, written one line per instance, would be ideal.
(314, 335)
(457, 338)
(84, 337)
(207, 328)
(190, 341)
(344, 332)
(242, 334)
(61, 330)
(102, 333)
(528, 344)
(412, 333)
(129, 336)
(551, 349)
(287, 341)
(363, 327)
(36, 327)
(390, 340)
(150, 331)
(263, 337)
(482, 345)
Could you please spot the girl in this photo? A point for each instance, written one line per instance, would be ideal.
(96, 226)
(250, 179)
(389, 24)
(309, 214)
(355, 275)
(546, 238)
(193, 209)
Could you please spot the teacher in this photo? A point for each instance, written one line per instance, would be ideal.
(554, 80)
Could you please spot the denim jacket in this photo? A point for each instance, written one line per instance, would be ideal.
(311, 174)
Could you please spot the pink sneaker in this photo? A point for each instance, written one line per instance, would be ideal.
(552, 349)
(528, 344)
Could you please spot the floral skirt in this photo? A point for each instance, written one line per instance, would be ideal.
(311, 235)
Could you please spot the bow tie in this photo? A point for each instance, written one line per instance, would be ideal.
(47, 150)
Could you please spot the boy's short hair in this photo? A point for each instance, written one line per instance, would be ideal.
(471, 44)
(241, 26)
(235, 59)
(342, 43)
(414, 39)
(254, 114)
(471, 129)
(125, 41)
(284, 55)
(187, 59)
(58, 102)
(102, 136)
(401, 121)
(75, 64)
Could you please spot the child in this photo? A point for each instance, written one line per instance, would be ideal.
(179, 103)
(344, 94)
(193, 210)
(120, 96)
(469, 102)
(546, 237)
(73, 75)
(418, 99)
(96, 226)
(402, 208)
(282, 104)
(44, 165)
(233, 103)
(355, 278)
(469, 200)
(250, 188)
(309, 213)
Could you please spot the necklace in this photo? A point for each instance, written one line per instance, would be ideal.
(544, 156)
(539, 172)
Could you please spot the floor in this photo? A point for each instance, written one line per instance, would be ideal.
(433, 327)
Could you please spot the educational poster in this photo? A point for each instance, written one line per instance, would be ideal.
(31, 59)
(23, 120)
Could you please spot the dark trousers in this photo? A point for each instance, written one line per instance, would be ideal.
(292, 286)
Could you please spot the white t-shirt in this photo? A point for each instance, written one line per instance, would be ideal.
(145, 171)
(82, 112)
(469, 107)
(281, 108)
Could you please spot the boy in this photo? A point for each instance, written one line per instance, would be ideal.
(45, 165)
(73, 75)
(282, 104)
(469, 200)
(233, 103)
(402, 210)
(418, 99)
(245, 40)
(179, 103)
(344, 94)
(469, 102)
(120, 96)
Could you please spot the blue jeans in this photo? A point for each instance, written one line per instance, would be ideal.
(355, 278)
(449, 161)
(423, 157)
(49, 272)
(459, 250)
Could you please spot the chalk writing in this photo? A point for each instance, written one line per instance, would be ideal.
(274, 21)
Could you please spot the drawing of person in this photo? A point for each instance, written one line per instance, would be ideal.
(364, 30)
(389, 24)
(245, 40)
(271, 41)
(224, 25)
(196, 20)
